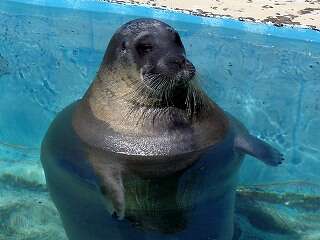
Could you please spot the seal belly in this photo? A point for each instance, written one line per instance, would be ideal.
(198, 201)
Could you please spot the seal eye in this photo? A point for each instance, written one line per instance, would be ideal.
(144, 48)
(123, 46)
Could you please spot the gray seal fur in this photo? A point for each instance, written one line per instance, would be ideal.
(145, 145)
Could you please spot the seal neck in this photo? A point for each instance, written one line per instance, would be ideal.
(124, 121)
(127, 118)
(116, 97)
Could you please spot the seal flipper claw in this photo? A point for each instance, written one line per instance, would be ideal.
(114, 215)
(259, 149)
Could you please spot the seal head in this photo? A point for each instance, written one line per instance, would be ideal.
(151, 60)
(156, 50)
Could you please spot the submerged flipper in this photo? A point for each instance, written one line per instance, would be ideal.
(110, 184)
(111, 187)
(259, 149)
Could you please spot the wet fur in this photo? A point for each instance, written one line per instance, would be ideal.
(162, 154)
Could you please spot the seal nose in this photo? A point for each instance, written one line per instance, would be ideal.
(179, 61)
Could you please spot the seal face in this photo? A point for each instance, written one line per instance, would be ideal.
(153, 50)
(156, 50)
(146, 144)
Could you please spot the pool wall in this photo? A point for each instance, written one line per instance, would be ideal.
(266, 76)
(146, 11)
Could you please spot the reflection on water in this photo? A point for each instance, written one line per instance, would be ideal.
(48, 57)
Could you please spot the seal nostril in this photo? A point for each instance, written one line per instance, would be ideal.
(180, 61)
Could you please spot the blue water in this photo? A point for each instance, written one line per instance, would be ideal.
(49, 56)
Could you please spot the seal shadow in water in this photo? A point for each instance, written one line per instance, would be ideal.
(145, 154)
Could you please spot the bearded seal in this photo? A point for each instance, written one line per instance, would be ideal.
(147, 146)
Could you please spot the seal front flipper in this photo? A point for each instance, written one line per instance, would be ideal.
(259, 149)
(112, 189)
(109, 180)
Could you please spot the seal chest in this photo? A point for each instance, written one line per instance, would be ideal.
(145, 153)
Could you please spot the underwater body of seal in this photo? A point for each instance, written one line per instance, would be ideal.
(21, 174)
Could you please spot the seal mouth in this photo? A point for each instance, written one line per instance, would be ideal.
(185, 76)
(172, 78)
(170, 86)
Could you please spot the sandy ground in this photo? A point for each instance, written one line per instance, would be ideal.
(305, 13)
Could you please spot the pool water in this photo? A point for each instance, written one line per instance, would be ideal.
(49, 56)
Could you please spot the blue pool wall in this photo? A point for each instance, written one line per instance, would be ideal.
(297, 33)
(268, 77)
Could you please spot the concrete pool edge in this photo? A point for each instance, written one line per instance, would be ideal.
(290, 32)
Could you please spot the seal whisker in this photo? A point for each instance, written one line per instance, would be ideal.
(187, 101)
(168, 89)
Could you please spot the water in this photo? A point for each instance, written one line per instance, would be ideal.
(49, 56)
